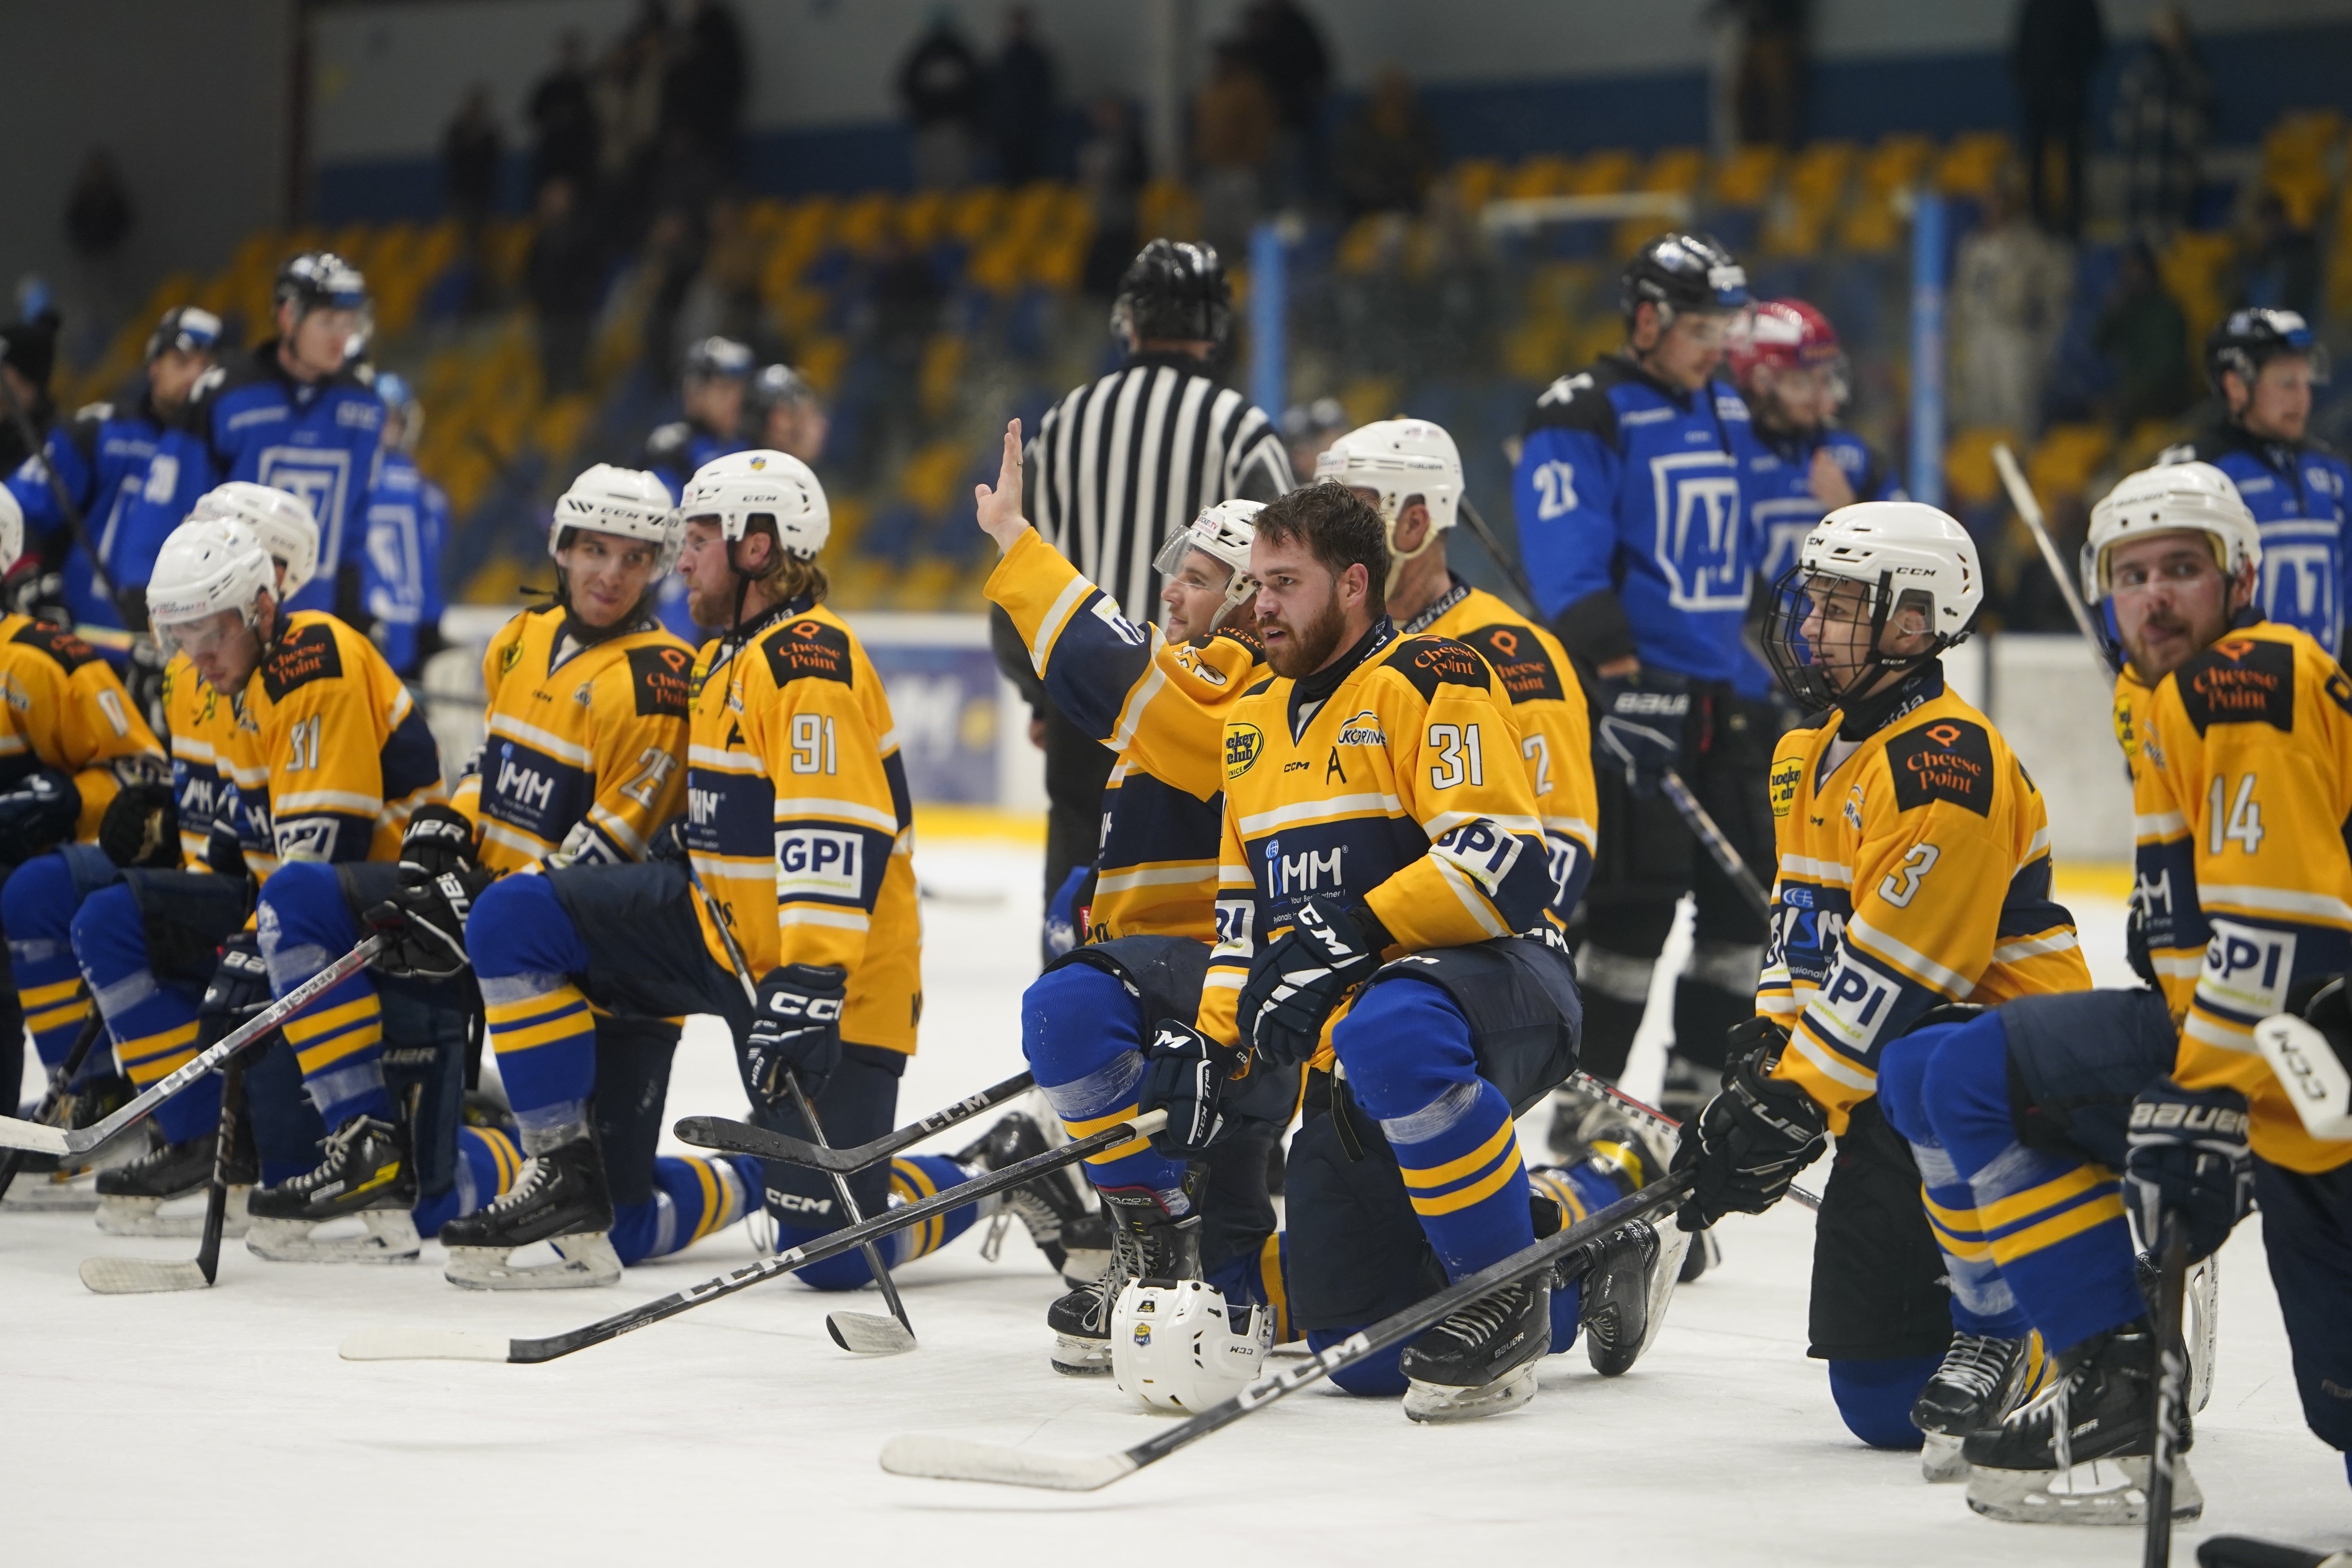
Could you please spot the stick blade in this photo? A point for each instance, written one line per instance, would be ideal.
(867, 1334)
(18, 1133)
(962, 1459)
(422, 1344)
(140, 1276)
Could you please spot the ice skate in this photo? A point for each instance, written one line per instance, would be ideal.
(1147, 1242)
(367, 1173)
(130, 1197)
(1075, 1238)
(2079, 1453)
(1983, 1379)
(559, 1197)
(44, 1184)
(1482, 1359)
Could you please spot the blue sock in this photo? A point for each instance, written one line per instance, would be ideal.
(1875, 1397)
(304, 924)
(525, 951)
(1374, 1377)
(487, 1159)
(36, 909)
(1082, 1031)
(694, 1196)
(1260, 1279)
(154, 1025)
(911, 1180)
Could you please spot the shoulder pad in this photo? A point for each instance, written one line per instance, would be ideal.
(1579, 402)
(305, 653)
(807, 649)
(1234, 635)
(1517, 658)
(1430, 662)
(661, 676)
(2239, 680)
(1262, 686)
(1944, 759)
(668, 442)
(70, 652)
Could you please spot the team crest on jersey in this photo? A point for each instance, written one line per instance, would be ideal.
(2126, 733)
(1242, 745)
(1786, 775)
(1364, 729)
(512, 656)
(1189, 658)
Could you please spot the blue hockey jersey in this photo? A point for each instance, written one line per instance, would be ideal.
(1632, 518)
(1781, 500)
(407, 523)
(93, 455)
(673, 452)
(2297, 492)
(250, 420)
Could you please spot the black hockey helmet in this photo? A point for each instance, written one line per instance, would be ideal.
(319, 280)
(1174, 289)
(779, 387)
(717, 359)
(1679, 273)
(186, 328)
(2245, 341)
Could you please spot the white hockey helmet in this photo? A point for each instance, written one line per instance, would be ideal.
(742, 486)
(207, 565)
(12, 532)
(1898, 552)
(627, 501)
(1224, 533)
(1404, 460)
(1173, 1346)
(2167, 499)
(281, 519)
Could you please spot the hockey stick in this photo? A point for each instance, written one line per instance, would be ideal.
(743, 1138)
(962, 1459)
(2172, 1388)
(20, 1135)
(2245, 1552)
(871, 1335)
(1586, 1084)
(1505, 561)
(435, 1344)
(63, 1074)
(137, 1276)
(2029, 510)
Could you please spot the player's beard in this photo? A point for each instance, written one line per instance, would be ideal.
(1305, 650)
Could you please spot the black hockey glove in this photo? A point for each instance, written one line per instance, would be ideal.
(667, 846)
(1752, 1138)
(37, 815)
(796, 1029)
(2186, 1154)
(140, 829)
(426, 923)
(439, 840)
(1300, 977)
(1184, 1075)
(239, 988)
(1641, 727)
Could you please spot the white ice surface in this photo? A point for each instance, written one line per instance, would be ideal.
(219, 1426)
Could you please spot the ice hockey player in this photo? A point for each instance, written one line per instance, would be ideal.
(70, 742)
(789, 415)
(2239, 734)
(407, 524)
(1914, 874)
(93, 457)
(1147, 917)
(1376, 809)
(2262, 364)
(711, 386)
(291, 414)
(1630, 490)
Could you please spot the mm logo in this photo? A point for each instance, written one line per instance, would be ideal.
(1242, 745)
(1784, 781)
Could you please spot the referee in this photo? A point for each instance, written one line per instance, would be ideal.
(1115, 467)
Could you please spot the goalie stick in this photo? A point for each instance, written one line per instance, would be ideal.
(962, 1459)
(436, 1344)
(741, 1137)
(63, 1074)
(16, 1133)
(137, 1276)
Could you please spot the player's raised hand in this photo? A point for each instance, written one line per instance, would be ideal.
(1828, 481)
(1000, 509)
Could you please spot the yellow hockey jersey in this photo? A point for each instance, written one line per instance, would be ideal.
(1555, 730)
(1915, 870)
(1393, 779)
(1161, 707)
(577, 733)
(2243, 785)
(65, 708)
(200, 723)
(327, 751)
(798, 818)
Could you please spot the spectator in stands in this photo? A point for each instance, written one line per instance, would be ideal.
(1235, 124)
(723, 300)
(2279, 268)
(471, 152)
(1287, 49)
(627, 94)
(1113, 167)
(2163, 115)
(98, 208)
(1022, 101)
(564, 276)
(945, 91)
(1768, 84)
(704, 76)
(1388, 152)
(2011, 287)
(2143, 337)
(562, 114)
(2056, 47)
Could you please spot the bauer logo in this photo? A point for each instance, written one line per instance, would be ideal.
(1243, 743)
(1785, 776)
(812, 861)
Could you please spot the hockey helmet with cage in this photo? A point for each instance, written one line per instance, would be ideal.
(319, 280)
(282, 521)
(633, 504)
(2171, 498)
(1783, 335)
(1174, 291)
(2245, 341)
(1173, 1346)
(190, 329)
(1897, 555)
(1403, 460)
(208, 565)
(12, 532)
(1681, 272)
(717, 359)
(744, 488)
(1223, 533)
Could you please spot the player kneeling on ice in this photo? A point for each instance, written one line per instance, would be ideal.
(1383, 894)
(2239, 733)
(1914, 874)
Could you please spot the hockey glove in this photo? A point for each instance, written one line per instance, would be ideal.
(37, 815)
(1184, 1076)
(1752, 1140)
(141, 830)
(796, 1029)
(239, 988)
(2186, 1154)
(667, 846)
(439, 840)
(426, 923)
(1641, 727)
(1301, 976)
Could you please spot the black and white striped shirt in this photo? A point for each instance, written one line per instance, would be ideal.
(1119, 465)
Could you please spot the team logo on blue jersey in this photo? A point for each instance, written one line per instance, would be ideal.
(1697, 547)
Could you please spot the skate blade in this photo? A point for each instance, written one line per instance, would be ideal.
(1435, 1403)
(51, 1195)
(144, 1216)
(1940, 1459)
(1705, 1253)
(866, 1334)
(582, 1262)
(2112, 1492)
(1076, 1357)
(390, 1238)
(140, 1276)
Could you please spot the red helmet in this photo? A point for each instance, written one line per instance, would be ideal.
(1787, 334)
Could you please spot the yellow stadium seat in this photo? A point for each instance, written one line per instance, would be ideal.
(1972, 162)
(2062, 464)
(1604, 173)
(1744, 179)
(1677, 169)
(1969, 473)
(934, 475)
